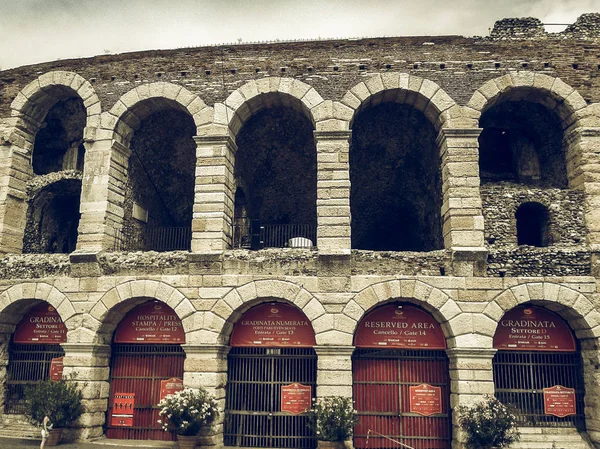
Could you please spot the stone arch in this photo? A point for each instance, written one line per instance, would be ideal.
(551, 92)
(33, 102)
(127, 113)
(219, 321)
(425, 95)
(256, 95)
(106, 314)
(457, 326)
(573, 306)
(14, 301)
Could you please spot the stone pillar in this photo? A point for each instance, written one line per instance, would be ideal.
(214, 193)
(461, 209)
(4, 355)
(471, 377)
(15, 171)
(333, 192)
(206, 366)
(590, 355)
(90, 364)
(102, 195)
(334, 371)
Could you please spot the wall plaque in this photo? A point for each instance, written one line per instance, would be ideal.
(152, 322)
(425, 399)
(41, 325)
(123, 410)
(296, 398)
(170, 386)
(56, 368)
(399, 326)
(530, 328)
(273, 325)
(559, 401)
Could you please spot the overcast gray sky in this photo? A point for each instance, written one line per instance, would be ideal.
(34, 31)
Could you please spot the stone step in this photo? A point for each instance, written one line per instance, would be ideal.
(551, 438)
(17, 426)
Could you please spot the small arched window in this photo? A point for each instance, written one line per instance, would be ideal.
(533, 224)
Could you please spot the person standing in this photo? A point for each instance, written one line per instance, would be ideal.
(46, 426)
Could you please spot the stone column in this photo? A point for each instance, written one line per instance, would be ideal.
(90, 364)
(102, 195)
(334, 371)
(471, 377)
(15, 171)
(461, 209)
(206, 366)
(333, 192)
(214, 193)
(4, 342)
(590, 356)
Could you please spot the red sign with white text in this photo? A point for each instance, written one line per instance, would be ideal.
(399, 326)
(170, 386)
(273, 325)
(152, 322)
(425, 399)
(56, 368)
(559, 401)
(296, 398)
(530, 328)
(41, 324)
(122, 411)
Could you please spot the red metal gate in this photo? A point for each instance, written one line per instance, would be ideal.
(381, 380)
(138, 369)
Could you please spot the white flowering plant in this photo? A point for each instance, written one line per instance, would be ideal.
(187, 411)
(488, 424)
(333, 418)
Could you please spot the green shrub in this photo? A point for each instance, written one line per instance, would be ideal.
(488, 424)
(333, 418)
(59, 400)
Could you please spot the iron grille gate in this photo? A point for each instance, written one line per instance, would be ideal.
(381, 381)
(139, 369)
(520, 377)
(253, 397)
(27, 365)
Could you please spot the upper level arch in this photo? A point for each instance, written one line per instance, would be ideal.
(254, 96)
(33, 102)
(424, 95)
(139, 103)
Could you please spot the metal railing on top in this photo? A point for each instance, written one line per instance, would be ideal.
(257, 236)
(154, 239)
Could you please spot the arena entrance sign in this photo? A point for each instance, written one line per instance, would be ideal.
(400, 380)
(272, 373)
(146, 352)
(538, 368)
(35, 344)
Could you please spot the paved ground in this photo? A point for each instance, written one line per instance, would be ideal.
(9, 443)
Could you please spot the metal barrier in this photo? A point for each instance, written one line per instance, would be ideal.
(154, 239)
(274, 235)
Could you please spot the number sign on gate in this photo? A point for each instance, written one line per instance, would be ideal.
(56, 368)
(170, 386)
(296, 398)
(122, 411)
(559, 401)
(425, 399)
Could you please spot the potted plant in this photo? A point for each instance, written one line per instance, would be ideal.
(186, 412)
(488, 424)
(60, 401)
(333, 419)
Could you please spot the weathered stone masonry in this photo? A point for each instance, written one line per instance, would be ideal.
(479, 274)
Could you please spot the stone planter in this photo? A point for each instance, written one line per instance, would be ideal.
(187, 442)
(54, 437)
(331, 444)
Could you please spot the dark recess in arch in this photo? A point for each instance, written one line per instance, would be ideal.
(533, 224)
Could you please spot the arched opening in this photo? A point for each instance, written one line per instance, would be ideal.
(34, 353)
(146, 354)
(159, 193)
(522, 142)
(276, 173)
(271, 356)
(58, 144)
(53, 218)
(533, 224)
(401, 380)
(538, 369)
(396, 194)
